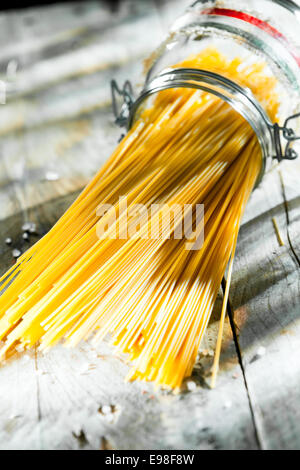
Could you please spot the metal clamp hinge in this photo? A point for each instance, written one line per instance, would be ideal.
(122, 114)
(289, 135)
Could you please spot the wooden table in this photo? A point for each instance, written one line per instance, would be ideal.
(56, 129)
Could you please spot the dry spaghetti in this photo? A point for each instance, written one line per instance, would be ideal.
(153, 296)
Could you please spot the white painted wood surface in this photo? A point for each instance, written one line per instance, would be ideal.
(56, 129)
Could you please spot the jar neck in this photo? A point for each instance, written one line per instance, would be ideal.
(239, 98)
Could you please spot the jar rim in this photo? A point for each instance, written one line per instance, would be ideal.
(239, 98)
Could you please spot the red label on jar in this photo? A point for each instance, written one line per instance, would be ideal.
(256, 22)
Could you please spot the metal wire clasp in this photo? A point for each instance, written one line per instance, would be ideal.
(289, 135)
(126, 93)
(191, 78)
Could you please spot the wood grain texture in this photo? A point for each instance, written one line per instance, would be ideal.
(265, 295)
(56, 130)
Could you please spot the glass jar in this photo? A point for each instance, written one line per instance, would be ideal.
(248, 29)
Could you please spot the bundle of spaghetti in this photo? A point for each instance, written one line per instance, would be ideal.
(103, 273)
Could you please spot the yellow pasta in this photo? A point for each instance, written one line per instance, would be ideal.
(152, 295)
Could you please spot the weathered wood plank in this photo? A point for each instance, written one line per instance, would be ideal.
(38, 33)
(19, 413)
(289, 176)
(266, 298)
(108, 46)
(33, 173)
(76, 387)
